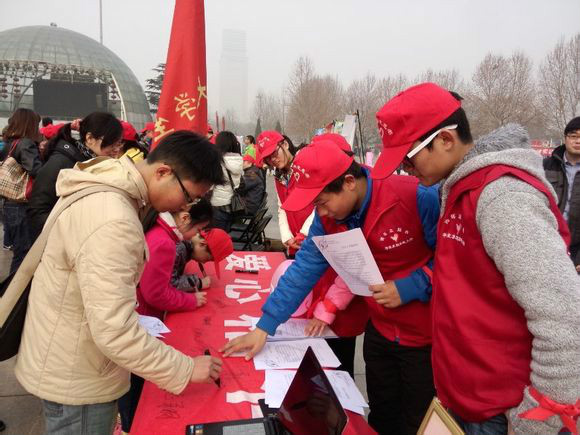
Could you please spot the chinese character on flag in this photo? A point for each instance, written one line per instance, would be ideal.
(183, 100)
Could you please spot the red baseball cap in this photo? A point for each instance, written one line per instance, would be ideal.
(149, 126)
(313, 168)
(266, 144)
(407, 117)
(220, 245)
(249, 158)
(338, 139)
(129, 132)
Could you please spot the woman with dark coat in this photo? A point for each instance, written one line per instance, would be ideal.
(22, 137)
(100, 135)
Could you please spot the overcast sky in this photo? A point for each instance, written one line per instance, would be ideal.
(346, 38)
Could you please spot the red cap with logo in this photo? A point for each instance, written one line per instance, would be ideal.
(338, 139)
(314, 168)
(129, 132)
(149, 126)
(266, 144)
(407, 117)
(219, 244)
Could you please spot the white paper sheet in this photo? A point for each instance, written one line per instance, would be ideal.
(278, 382)
(153, 325)
(243, 396)
(254, 297)
(289, 354)
(245, 281)
(350, 256)
(293, 329)
(232, 335)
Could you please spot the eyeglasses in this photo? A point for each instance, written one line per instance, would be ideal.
(189, 201)
(407, 159)
(268, 159)
(573, 137)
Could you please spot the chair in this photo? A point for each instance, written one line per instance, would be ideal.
(241, 234)
(256, 239)
(245, 220)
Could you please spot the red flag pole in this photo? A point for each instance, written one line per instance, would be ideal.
(183, 100)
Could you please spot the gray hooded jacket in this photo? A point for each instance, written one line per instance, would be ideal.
(520, 234)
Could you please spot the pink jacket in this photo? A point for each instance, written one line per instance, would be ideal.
(155, 294)
(337, 298)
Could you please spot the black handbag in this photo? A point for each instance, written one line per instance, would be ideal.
(237, 205)
(15, 289)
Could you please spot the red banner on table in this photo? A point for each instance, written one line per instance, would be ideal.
(183, 100)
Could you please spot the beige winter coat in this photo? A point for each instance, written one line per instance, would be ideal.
(82, 337)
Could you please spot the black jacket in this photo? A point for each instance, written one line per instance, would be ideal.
(555, 169)
(26, 154)
(43, 196)
(252, 189)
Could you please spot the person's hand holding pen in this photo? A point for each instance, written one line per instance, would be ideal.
(216, 379)
(206, 368)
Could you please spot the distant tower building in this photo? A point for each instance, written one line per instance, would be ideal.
(234, 74)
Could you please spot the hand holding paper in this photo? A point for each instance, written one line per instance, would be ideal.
(350, 256)
(386, 294)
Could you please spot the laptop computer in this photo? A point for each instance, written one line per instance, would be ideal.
(309, 407)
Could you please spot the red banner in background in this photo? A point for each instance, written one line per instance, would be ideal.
(183, 100)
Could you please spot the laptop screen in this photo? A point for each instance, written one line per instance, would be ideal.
(310, 405)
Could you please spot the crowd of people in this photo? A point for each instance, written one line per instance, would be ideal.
(478, 248)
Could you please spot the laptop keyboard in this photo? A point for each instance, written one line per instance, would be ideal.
(245, 429)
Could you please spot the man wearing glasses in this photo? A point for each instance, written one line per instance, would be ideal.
(82, 336)
(561, 171)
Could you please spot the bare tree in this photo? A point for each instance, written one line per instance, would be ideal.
(503, 91)
(314, 101)
(559, 80)
(448, 79)
(268, 108)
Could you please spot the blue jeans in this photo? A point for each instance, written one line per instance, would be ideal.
(96, 419)
(16, 223)
(496, 425)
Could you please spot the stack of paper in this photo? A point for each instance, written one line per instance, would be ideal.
(289, 354)
(153, 326)
(278, 382)
(294, 329)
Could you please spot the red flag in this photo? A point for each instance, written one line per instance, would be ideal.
(183, 100)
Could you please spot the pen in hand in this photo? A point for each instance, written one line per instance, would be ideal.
(217, 381)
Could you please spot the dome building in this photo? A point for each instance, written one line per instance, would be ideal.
(66, 75)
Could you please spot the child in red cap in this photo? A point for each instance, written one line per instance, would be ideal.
(277, 152)
(398, 218)
(506, 300)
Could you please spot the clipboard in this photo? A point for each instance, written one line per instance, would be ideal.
(438, 421)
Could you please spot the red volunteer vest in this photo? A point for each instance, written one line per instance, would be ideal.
(295, 218)
(481, 343)
(394, 233)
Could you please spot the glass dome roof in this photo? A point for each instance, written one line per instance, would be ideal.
(56, 45)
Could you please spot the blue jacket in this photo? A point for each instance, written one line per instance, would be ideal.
(310, 264)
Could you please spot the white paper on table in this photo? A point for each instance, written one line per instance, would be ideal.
(293, 329)
(278, 382)
(289, 354)
(350, 256)
(254, 297)
(153, 325)
(243, 396)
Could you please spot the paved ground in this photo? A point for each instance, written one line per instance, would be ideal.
(22, 412)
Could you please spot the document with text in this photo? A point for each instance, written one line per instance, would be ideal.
(350, 256)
